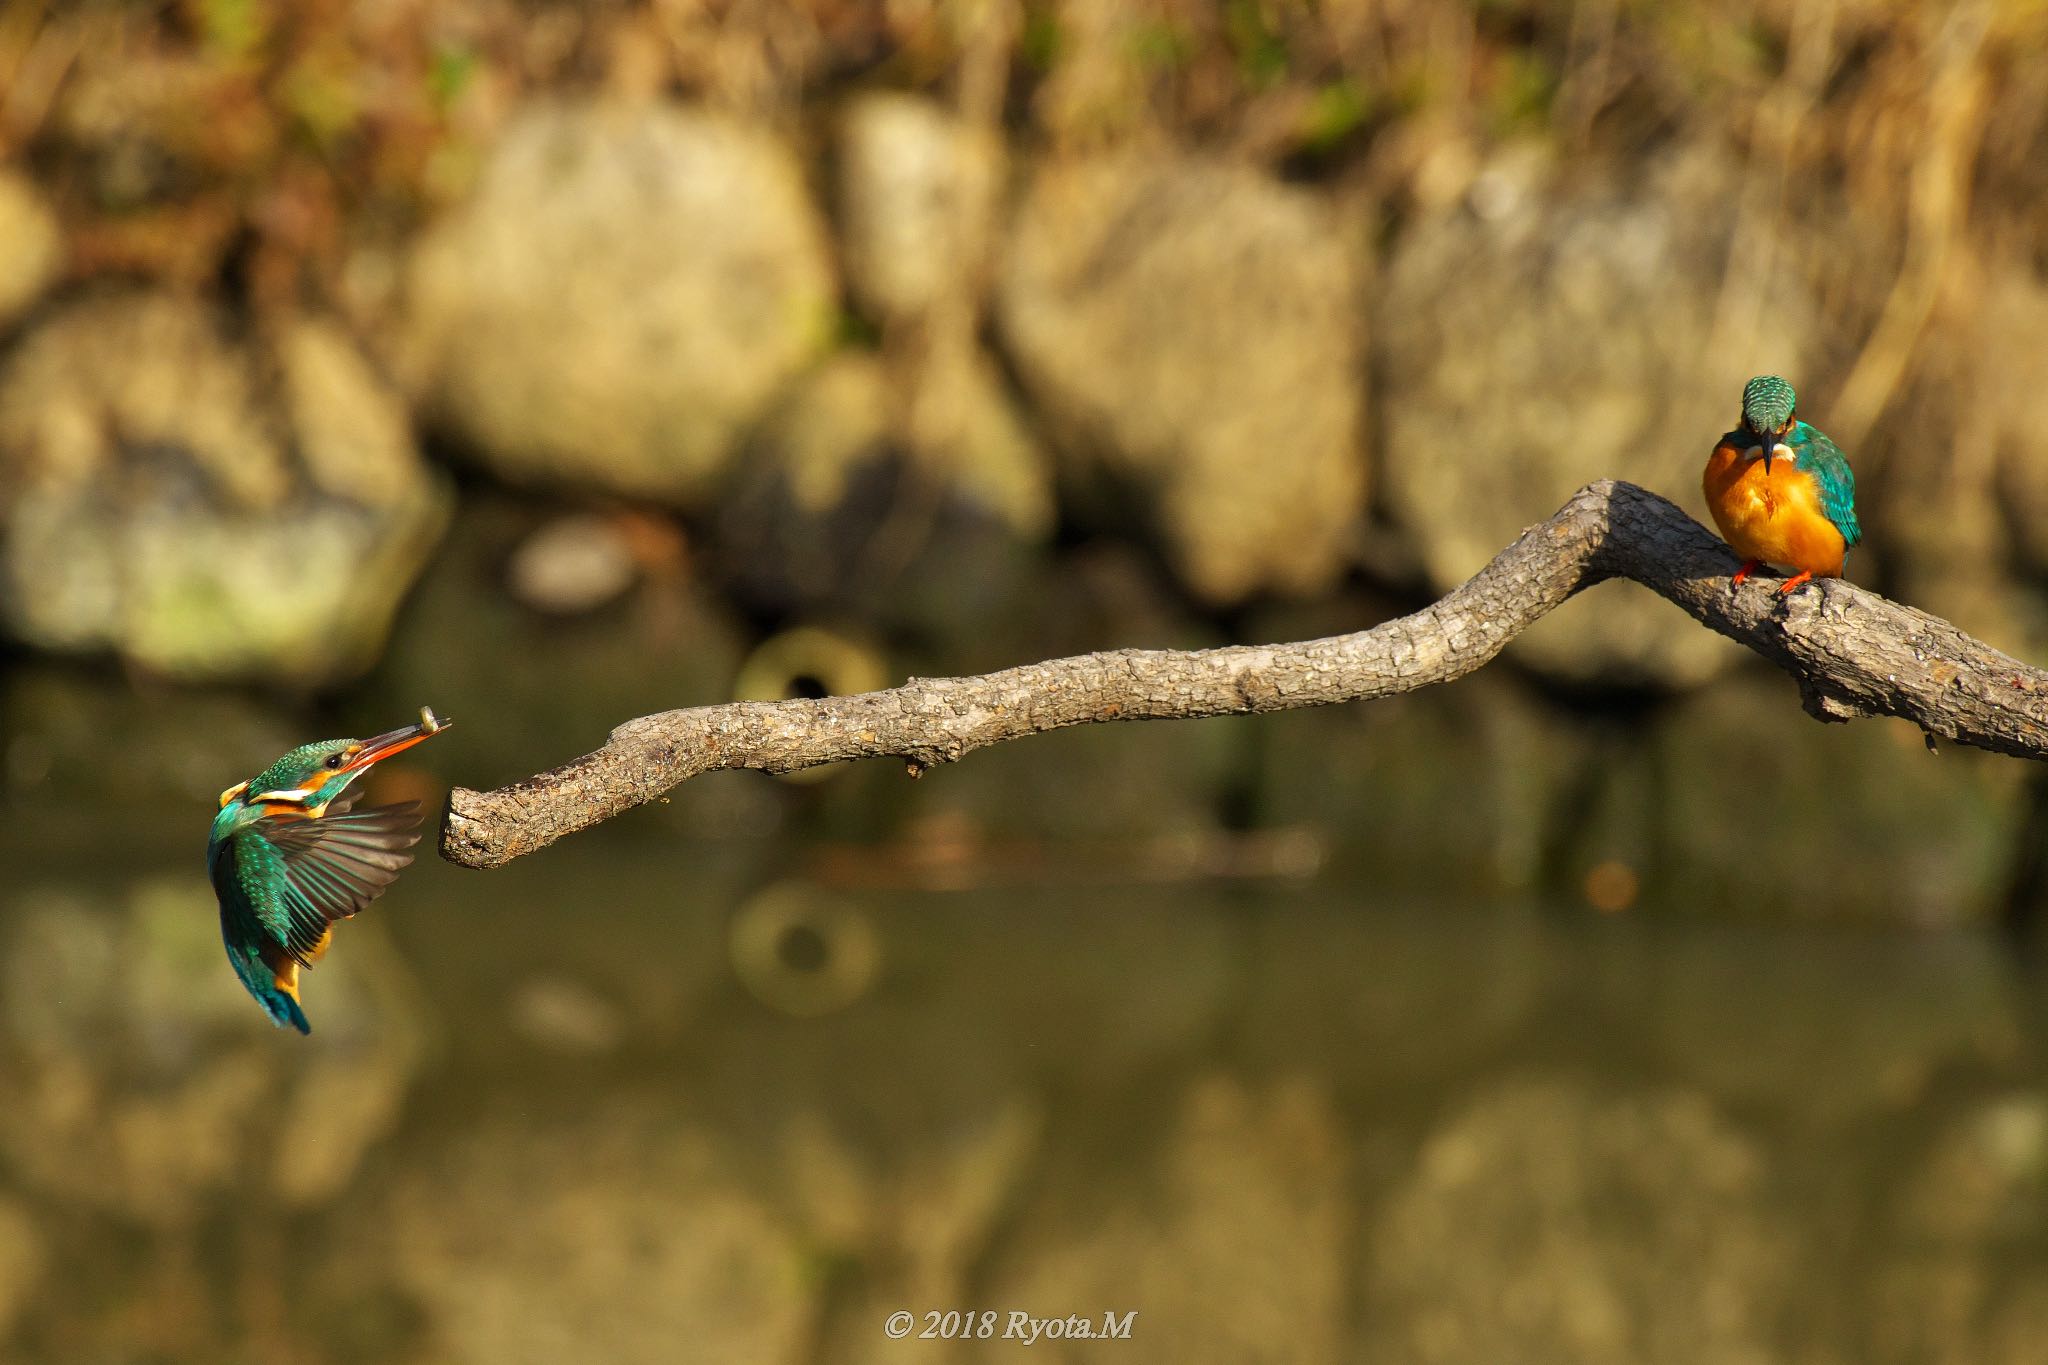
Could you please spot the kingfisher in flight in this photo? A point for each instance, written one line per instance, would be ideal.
(1780, 491)
(290, 855)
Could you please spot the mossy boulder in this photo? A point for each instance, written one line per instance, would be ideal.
(204, 501)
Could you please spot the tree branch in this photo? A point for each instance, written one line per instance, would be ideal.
(1852, 652)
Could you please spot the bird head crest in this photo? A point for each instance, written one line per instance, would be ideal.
(1767, 405)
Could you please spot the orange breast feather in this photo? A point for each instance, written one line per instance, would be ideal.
(1774, 517)
(284, 970)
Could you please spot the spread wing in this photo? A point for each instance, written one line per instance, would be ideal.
(1829, 467)
(329, 868)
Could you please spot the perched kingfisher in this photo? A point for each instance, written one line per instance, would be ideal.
(289, 855)
(1780, 491)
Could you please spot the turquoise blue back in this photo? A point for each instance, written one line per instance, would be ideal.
(1819, 458)
(240, 932)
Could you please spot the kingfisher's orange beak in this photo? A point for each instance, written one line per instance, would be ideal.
(383, 746)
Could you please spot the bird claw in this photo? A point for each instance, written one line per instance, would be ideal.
(1794, 583)
(1749, 566)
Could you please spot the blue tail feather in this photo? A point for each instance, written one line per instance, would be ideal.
(255, 974)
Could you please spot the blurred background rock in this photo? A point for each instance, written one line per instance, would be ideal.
(556, 363)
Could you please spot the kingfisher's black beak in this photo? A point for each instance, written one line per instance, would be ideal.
(1770, 444)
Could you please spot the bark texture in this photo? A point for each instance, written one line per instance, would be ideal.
(1852, 652)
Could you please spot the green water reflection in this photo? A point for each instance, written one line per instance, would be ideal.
(652, 1098)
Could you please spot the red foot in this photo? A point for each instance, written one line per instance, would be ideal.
(1795, 581)
(1749, 566)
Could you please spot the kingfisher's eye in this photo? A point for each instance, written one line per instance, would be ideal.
(334, 760)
